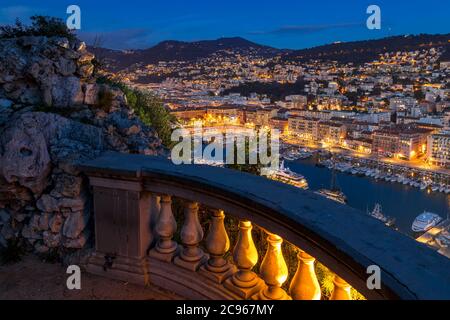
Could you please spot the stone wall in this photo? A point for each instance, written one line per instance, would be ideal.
(51, 118)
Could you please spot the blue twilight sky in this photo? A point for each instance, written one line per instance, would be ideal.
(283, 24)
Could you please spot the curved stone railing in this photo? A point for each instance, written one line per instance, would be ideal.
(135, 231)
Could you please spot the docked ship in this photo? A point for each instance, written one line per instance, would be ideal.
(425, 221)
(286, 175)
(334, 193)
(377, 213)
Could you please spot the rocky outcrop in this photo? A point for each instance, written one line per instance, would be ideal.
(51, 120)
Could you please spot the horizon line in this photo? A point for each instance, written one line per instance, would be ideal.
(273, 47)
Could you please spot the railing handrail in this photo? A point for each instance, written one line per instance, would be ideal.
(344, 239)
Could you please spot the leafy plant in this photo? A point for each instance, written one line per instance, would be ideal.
(40, 26)
(149, 108)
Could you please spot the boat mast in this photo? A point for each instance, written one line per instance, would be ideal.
(333, 186)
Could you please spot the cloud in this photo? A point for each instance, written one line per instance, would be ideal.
(137, 38)
(307, 29)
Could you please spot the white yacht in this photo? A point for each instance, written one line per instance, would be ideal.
(425, 221)
(286, 175)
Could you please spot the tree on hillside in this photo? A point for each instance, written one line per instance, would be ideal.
(40, 26)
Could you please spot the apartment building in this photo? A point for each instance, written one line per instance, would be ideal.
(304, 127)
(438, 149)
(405, 142)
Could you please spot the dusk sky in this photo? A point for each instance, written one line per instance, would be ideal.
(282, 24)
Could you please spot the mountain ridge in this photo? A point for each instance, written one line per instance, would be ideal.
(181, 51)
(353, 51)
(366, 50)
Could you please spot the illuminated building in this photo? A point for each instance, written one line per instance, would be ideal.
(331, 132)
(305, 128)
(403, 142)
(438, 150)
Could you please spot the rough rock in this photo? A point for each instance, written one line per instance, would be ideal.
(27, 140)
(7, 231)
(56, 223)
(91, 91)
(31, 231)
(66, 67)
(67, 185)
(51, 240)
(49, 204)
(78, 242)
(75, 224)
(4, 216)
(85, 71)
(66, 91)
(5, 103)
(43, 221)
(40, 248)
(50, 121)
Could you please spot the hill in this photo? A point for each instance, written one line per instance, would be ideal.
(181, 51)
(368, 50)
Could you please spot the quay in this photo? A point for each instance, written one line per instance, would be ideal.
(431, 238)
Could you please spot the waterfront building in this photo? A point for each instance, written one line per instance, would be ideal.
(186, 114)
(331, 132)
(438, 150)
(405, 142)
(304, 127)
(279, 123)
(358, 144)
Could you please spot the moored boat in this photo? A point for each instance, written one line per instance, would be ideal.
(425, 221)
(377, 213)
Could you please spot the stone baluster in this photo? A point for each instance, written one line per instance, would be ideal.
(217, 244)
(273, 270)
(304, 285)
(244, 282)
(155, 209)
(166, 226)
(191, 256)
(341, 290)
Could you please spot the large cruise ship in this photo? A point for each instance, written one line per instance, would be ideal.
(286, 175)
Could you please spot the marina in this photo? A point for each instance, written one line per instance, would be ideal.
(400, 201)
(373, 168)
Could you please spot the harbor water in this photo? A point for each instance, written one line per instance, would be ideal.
(402, 202)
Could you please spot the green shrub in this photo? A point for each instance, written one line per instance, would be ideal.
(149, 108)
(40, 26)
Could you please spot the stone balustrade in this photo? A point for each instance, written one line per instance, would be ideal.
(136, 225)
